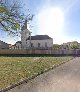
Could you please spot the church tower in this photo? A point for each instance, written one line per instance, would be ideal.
(25, 34)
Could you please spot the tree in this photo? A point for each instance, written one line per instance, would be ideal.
(10, 17)
(56, 46)
(75, 46)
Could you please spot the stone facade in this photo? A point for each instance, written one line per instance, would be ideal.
(44, 43)
(24, 36)
(18, 45)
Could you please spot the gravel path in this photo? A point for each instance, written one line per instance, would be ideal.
(65, 78)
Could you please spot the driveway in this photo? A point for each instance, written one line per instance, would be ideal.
(65, 78)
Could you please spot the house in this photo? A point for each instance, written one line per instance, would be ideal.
(69, 45)
(37, 41)
(4, 45)
(13, 47)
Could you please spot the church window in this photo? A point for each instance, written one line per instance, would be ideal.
(26, 41)
(18, 46)
(29, 33)
(45, 44)
(31, 44)
(38, 44)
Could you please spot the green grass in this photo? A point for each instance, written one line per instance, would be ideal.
(15, 69)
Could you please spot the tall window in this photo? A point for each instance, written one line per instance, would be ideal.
(38, 44)
(26, 41)
(18, 46)
(45, 44)
(31, 44)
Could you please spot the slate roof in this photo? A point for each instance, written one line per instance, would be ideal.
(39, 37)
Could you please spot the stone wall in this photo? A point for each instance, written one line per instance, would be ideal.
(24, 51)
(66, 51)
(36, 51)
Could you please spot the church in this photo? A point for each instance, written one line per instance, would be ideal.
(33, 42)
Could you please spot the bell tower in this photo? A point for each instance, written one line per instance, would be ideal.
(25, 33)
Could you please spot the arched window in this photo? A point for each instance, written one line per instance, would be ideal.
(18, 46)
(46, 44)
(38, 44)
(26, 41)
(31, 44)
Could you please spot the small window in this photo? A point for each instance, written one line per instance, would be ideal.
(38, 44)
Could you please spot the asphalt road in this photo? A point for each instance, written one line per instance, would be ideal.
(65, 78)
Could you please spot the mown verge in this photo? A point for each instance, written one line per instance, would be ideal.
(16, 69)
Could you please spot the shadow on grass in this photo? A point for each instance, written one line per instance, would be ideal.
(38, 55)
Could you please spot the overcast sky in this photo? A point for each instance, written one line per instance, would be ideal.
(59, 19)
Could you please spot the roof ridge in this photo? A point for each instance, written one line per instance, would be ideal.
(39, 37)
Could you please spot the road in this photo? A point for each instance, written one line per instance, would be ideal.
(65, 78)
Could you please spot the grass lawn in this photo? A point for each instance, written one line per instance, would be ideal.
(15, 69)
